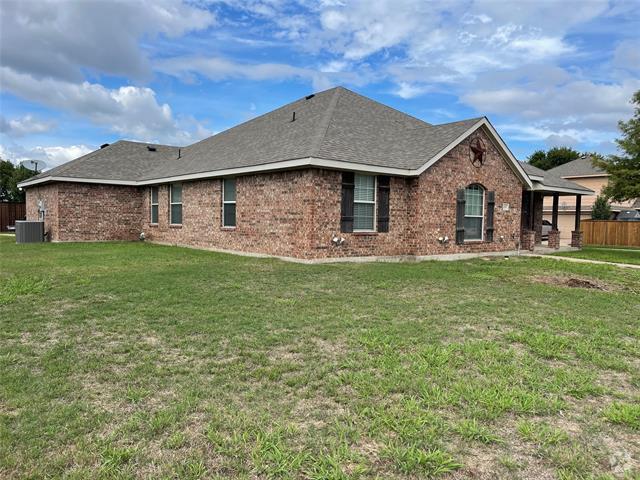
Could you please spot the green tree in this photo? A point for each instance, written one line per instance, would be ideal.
(10, 176)
(624, 171)
(538, 159)
(553, 157)
(601, 209)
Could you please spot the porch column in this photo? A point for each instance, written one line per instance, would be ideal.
(553, 237)
(554, 212)
(576, 235)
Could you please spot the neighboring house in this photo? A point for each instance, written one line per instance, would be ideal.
(333, 174)
(583, 172)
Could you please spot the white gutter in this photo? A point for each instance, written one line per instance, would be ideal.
(29, 183)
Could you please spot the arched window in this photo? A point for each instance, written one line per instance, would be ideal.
(473, 212)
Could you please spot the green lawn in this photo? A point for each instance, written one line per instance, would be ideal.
(131, 360)
(606, 254)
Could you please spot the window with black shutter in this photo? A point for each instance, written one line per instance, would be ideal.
(460, 216)
(383, 203)
(346, 216)
(491, 202)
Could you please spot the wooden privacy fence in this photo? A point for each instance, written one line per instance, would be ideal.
(611, 232)
(10, 212)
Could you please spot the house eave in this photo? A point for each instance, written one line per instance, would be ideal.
(540, 187)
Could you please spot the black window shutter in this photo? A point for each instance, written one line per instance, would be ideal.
(491, 203)
(460, 217)
(346, 216)
(384, 188)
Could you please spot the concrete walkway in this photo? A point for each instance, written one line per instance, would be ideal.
(583, 260)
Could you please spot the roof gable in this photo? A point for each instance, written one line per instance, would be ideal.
(579, 167)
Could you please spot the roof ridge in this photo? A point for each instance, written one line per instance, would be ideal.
(252, 120)
(340, 87)
(472, 119)
(323, 127)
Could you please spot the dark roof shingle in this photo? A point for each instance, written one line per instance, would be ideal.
(577, 168)
(336, 124)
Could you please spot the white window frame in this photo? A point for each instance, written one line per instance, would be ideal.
(484, 192)
(375, 203)
(151, 205)
(229, 202)
(172, 203)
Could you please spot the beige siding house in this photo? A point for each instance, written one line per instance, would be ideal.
(582, 172)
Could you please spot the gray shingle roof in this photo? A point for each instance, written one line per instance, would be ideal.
(531, 170)
(576, 168)
(551, 180)
(336, 124)
(122, 160)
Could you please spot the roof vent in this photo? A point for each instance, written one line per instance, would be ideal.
(104, 145)
(309, 97)
(293, 119)
(151, 149)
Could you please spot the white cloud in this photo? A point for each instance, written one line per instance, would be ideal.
(406, 90)
(555, 140)
(627, 56)
(469, 19)
(59, 39)
(58, 155)
(333, 19)
(130, 111)
(18, 127)
(578, 103)
(334, 66)
(52, 155)
(218, 68)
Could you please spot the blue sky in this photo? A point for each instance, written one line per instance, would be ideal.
(77, 74)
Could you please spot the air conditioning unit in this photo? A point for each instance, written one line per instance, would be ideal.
(28, 231)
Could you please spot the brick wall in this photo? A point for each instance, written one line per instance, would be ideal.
(424, 209)
(294, 213)
(273, 214)
(88, 212)
(99, 212)
(434, 201)
(297, 213)
(48, 195)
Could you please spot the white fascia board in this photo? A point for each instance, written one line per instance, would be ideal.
(593, 175)
(284, 165)
(29, 183)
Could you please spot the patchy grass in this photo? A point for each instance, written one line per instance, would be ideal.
(606, 254)
(122, 360)
(624, 414)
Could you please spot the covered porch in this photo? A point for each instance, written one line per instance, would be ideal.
(547, 185)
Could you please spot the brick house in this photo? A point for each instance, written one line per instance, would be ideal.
(331, 175)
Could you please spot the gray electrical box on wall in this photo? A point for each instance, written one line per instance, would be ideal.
(29, 232)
